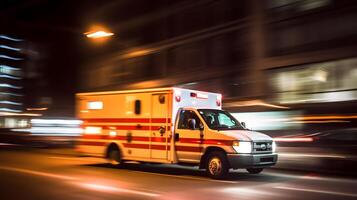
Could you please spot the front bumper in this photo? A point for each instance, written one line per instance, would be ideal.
(237, 161)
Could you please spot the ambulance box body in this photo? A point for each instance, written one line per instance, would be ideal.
(170, 125)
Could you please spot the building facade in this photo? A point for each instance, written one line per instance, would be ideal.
(272, 55)
(11, 74)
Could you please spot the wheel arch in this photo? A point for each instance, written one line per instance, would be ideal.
(113, 145)
(207, 151)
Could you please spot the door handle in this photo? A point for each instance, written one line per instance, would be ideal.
(177, 137)
(162, 130)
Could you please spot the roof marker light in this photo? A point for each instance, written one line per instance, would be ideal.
(177, 94)
(219, 100)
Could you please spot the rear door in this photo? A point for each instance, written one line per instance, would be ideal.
(160, 126)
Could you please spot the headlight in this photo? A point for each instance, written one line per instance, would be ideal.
(242, 147)
(273, 148)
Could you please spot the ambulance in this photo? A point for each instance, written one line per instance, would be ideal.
(170, 126)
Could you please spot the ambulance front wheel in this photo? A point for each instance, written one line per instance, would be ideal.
(217, 165)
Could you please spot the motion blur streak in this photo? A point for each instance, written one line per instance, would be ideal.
(315, 177)
(10, 48)
(308, 139)
(326, 117)
(316, 191)
(247, 191)
(56, 121)
(53, 127)
(311, 155)
(52, 130)
(91, 186)
(7, 144)
(319, 122)
(37, 109)
(9, 57)
(19, 114)
(10, 38)
(107, 188)
(37, 173)
(254, 103)
(137, 53)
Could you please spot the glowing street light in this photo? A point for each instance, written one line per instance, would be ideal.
(98, 34)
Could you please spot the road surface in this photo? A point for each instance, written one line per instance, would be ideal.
(39, 174)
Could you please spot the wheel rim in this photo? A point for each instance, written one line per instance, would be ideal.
(215, 166)
(113, 157)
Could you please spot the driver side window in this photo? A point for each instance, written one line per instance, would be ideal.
(185, 116)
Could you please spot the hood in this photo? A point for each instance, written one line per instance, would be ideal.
(246, 135)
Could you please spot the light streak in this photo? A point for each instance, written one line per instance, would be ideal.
(301, 139)
(10, 58)
(98, 34)
(10, 38)
(10, 48)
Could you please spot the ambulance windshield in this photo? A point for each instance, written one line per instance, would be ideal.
(220, 120)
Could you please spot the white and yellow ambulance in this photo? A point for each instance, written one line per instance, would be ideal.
(172, 126)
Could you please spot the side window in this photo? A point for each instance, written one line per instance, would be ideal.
(185, 116)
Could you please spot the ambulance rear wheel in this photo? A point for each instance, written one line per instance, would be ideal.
(254, 170)
(114, 157)
(217, 165)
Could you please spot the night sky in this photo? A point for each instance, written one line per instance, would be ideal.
(55, 28)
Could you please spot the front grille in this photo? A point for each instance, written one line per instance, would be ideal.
(262, 146)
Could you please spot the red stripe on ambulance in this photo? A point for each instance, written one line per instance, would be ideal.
(127, 120)
(146, 146)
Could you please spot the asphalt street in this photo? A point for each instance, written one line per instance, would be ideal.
(41, 174)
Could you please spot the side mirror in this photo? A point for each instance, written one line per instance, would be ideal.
(192, 124)
(243, 124)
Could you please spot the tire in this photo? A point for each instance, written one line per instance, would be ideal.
(254, 170)
(114, 157)
(217, 166)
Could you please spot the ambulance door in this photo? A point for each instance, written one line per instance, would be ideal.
(160, 130)
(189, 140)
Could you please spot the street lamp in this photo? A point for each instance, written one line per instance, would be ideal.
(98, 34)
